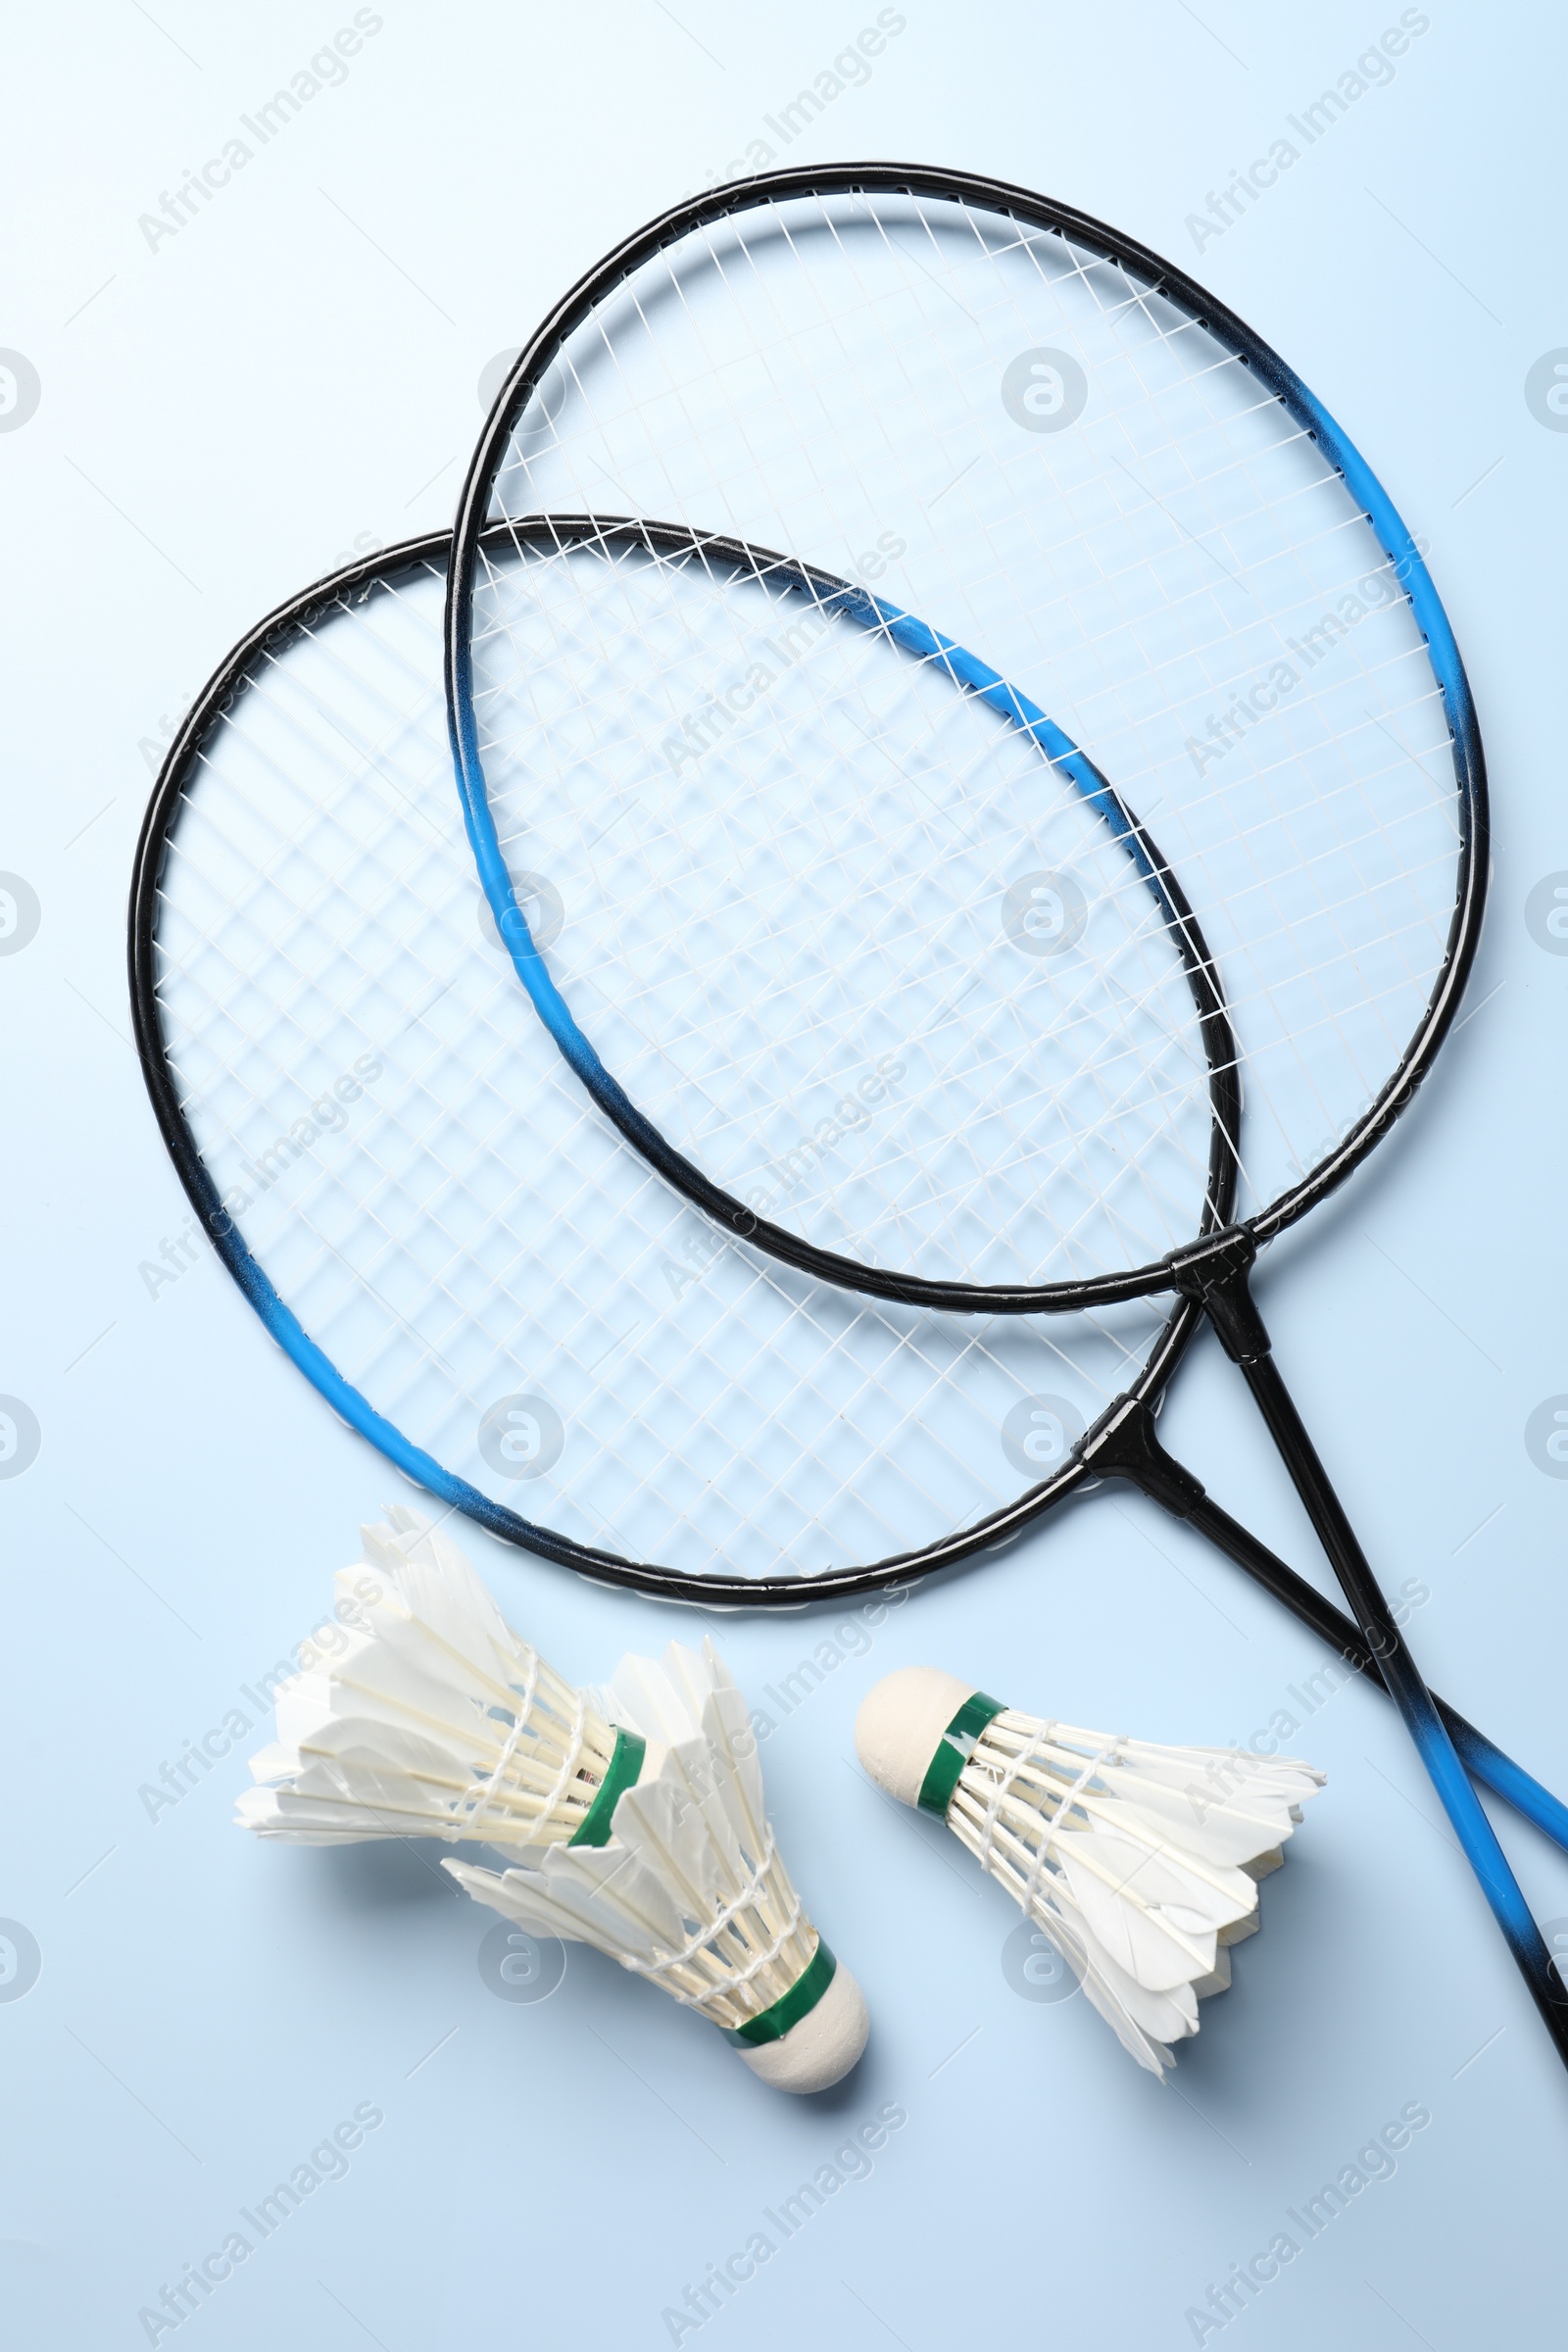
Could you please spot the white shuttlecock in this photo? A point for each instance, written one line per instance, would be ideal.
(1138, 1862)
(691, 1892)
(435, 1719)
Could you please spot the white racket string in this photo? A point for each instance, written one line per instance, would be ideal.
(840, 925)
(455, 1225)
(1172, 570)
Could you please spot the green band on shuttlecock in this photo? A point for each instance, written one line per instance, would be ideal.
(790, 2007)
(953, 1750)
(620, 1773)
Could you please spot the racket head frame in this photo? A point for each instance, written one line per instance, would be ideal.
(1159, 277)
(357, 582)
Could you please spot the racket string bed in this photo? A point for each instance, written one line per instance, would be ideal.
(1248, 460)
(471, 1230)
(1119, 1079)
(1115, 1031)
(590, 493)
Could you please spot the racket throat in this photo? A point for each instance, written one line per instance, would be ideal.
(1217, 1275)
(1127, 1445)
(1215, 1272)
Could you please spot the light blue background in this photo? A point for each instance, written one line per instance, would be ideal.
(219, 423)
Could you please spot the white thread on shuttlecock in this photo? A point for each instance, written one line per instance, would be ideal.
(570, 1764)
(1138, 1862)
(692, 1892)
(668, 1969)
(433, 1718)
(1003, 1788)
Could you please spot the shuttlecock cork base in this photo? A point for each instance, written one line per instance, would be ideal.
(1138, 1862)
(820, 2048)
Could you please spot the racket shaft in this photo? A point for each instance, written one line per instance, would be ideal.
(1480, 1756)
(1403, 1680)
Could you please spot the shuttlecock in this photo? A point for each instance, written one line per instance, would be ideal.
(433, 1719)
(691, 1892)
(1139, 1863)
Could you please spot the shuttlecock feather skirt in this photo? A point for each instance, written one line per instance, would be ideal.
(1140, 1862)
